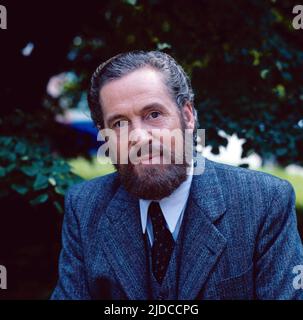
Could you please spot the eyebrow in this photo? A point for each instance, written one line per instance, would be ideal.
(150, 106)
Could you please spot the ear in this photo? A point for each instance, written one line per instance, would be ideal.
(188, 115)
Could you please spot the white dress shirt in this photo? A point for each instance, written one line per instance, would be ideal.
(173, 208)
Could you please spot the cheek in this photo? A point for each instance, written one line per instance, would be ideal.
(170, 138)
(169, 122)
(122, 147)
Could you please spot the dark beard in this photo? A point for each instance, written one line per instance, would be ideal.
(154, 181)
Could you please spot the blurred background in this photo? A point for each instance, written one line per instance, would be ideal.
(245, 60)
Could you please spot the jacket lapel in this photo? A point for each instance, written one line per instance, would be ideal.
(203, 243)
(124, 244)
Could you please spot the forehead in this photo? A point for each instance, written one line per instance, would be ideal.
(139, 86)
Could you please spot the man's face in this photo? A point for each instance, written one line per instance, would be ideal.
(141, 102)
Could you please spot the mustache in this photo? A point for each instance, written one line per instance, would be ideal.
(144, 151)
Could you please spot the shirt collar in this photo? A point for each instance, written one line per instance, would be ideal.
(171, 206)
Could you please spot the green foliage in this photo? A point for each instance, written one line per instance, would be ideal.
(244, 58)
(32, 172)
(89, 169)
(295, 179)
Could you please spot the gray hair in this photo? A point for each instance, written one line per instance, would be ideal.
(176, 80)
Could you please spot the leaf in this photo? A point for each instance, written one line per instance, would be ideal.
(60, 190)
(10, 156)
(52, 181)
(264, 73)
(30, 170)
(287, 76)
(19, 188)
(6, 140)
(2, 172)
(61, 168)
(131, 2)
(58, 206)
(41, 182)
(281, 151)
(11, 167)
(280, 91)
(20, 148)
(162, 46)
(40, 199)
(256, 56)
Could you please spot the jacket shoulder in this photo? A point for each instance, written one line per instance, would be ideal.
(251, 177)
(87, 195)
(251, 187)
(105, 182)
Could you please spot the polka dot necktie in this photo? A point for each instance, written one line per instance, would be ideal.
(163, 242)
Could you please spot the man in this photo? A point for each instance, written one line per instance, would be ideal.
(155, 230)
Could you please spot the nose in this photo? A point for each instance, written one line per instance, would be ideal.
(138, 134)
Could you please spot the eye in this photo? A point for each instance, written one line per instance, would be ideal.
(154, 114)
(120, 124)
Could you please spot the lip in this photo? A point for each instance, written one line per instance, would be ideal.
(148, 160)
